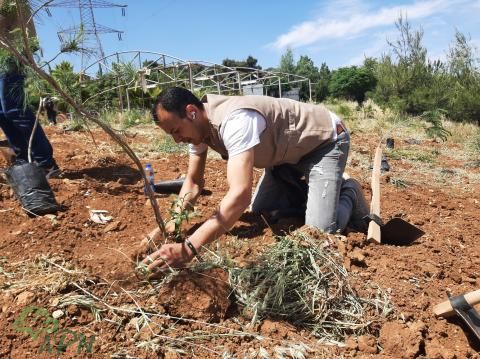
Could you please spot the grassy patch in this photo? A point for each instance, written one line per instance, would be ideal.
(166, 144)
(126, 119)
(472, 146)
(413, 155)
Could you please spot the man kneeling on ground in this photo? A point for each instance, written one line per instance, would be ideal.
(302, 147)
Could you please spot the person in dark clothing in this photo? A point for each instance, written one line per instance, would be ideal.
(16, 118)
(50, 109)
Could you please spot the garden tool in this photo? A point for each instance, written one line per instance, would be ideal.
(396, 231)
(169, 186)
(462, 306)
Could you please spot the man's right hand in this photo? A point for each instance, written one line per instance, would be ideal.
(152, 241)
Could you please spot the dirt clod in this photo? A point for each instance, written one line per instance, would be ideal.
(367, 344)
(25, 298)
(400, 341)
(200, 296)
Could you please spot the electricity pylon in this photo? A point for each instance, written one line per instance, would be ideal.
(88, 28)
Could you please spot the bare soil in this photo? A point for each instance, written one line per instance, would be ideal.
(444, 261)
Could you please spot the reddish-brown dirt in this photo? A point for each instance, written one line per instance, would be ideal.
(445, 260)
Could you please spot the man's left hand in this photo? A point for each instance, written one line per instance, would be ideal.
(174, 255)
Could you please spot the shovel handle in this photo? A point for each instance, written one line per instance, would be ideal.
(373, 234)
(445, 309)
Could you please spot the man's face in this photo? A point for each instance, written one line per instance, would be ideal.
(186, 130)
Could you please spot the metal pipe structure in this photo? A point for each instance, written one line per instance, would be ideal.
(162, 70)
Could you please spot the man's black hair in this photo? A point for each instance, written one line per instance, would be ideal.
(175, 100)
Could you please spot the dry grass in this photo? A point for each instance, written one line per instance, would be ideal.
(302, 280)
(48, 273)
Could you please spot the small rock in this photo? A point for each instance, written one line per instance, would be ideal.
(357, 257)
(367, 344)
(58, 314)
(54, 302)
(172, 355)
(25, 298)
(399, 341)
(132, 324)
(456, 277)
(418, 326)
(112, 227)
(469, 280)
(73, 310)
(351, 343)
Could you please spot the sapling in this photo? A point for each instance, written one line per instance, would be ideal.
(179, 213)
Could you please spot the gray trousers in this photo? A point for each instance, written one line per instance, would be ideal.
(314, 185)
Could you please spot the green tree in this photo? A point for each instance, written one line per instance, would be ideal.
(287, 63)
(352, 83)
(305, 67)
(464, 85)
(321, 86)
(250, 62)
(404, 76)
(68, 80)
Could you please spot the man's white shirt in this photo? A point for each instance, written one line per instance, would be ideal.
(239, 132)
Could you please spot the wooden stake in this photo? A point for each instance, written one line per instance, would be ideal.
(373, 234)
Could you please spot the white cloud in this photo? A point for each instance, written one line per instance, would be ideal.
(328, 27)
(376, 48)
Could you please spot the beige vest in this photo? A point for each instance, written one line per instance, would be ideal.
(293, 129)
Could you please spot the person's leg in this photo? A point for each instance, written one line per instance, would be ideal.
(17, 123)
(326, 209)
(15, 139)
(270, 194)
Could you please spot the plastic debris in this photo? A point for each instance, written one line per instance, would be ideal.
(99, 216)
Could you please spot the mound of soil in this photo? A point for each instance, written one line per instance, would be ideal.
(201, 296)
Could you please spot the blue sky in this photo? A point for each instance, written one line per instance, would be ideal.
(340, 33)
